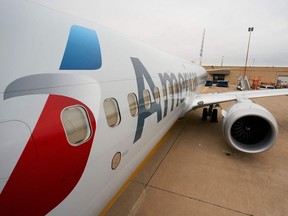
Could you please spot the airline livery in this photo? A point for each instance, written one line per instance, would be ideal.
(82, 106)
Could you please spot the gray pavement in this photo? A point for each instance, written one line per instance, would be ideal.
(194, 172)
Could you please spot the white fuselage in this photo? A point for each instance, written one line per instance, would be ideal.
(34, 83)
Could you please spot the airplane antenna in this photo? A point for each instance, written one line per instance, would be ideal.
(202, 46)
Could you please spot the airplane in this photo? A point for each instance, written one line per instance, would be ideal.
(82, 106)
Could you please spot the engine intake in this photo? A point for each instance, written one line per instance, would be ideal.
(249, 127)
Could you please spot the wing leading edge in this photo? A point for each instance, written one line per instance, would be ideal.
(215, 98)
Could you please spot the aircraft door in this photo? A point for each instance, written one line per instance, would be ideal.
(14, 137)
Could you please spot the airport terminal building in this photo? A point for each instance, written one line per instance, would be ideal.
(276, 76)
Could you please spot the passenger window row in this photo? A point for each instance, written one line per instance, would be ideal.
(77, 125)
(111, 107)
(76, 122)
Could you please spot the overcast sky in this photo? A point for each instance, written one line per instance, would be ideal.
(176, 26)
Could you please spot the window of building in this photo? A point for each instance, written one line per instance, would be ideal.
(76, 125)
(112, 112)
(217, 77)
(133, 104)
(157, 95)
(147, 99)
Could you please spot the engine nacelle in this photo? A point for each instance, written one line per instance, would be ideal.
(249, 127)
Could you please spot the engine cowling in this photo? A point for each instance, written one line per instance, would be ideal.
(249, 127)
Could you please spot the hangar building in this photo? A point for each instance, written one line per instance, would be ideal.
(277, 76)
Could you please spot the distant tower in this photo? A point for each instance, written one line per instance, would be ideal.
(202, 46)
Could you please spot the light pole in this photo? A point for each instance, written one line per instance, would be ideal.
(250, 29)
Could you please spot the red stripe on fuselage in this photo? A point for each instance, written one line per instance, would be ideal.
(49, 167)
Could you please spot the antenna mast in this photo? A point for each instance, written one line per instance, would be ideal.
(202, 46)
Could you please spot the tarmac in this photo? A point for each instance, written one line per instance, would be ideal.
(195, 172)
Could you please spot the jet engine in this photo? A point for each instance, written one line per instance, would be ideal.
(249, 127)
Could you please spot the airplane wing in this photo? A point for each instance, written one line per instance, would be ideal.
(215, 98)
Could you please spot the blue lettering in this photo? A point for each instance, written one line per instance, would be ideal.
(177, 89)
(141, 74)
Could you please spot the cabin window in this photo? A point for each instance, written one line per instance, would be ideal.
(191, 84)
(164, 91)
(195, 80)
(116, 160)
(170, 89)
(194, 83)
(133, 104)
(187, 85)
(176, 88)
(157, 95)
(76, 125)
(183, 86)
(147, 99)
(112, 112)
